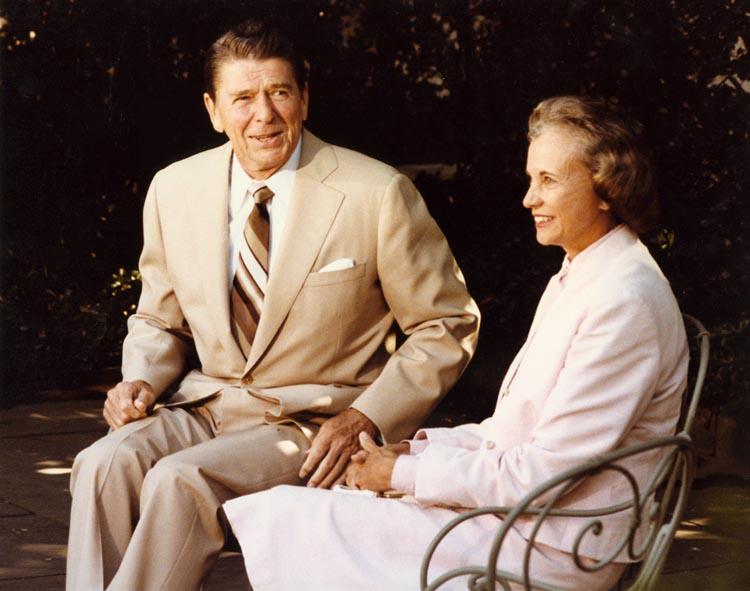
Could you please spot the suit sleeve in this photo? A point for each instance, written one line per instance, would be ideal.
(425, 289)
(159, 338)
(610, 375)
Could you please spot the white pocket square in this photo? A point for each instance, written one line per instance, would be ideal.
(337, 265)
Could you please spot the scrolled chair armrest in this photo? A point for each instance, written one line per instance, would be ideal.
(658, 505)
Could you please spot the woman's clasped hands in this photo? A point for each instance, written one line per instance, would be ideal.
(372, 466)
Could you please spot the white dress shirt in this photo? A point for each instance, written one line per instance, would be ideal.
(241, 188)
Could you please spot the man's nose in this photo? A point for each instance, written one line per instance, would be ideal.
(264, 110)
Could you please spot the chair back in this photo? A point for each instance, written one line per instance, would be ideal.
(671, 495)
(654, 510)
(698, 339)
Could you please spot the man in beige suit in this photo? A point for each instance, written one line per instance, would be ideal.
(349, 247)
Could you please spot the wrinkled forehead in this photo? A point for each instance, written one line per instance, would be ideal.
(252, 73)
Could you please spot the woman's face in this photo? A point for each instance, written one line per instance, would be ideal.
(567, 212)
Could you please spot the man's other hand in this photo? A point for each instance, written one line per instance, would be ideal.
(333, 447)
(128, 401)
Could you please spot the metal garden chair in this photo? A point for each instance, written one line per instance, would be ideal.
(698, 338)
(659, 504)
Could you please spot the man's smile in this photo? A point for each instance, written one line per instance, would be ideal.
(265, 137)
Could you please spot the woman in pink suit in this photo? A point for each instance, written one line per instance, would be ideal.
(603, 367)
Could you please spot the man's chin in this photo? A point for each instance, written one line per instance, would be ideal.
(262, 168)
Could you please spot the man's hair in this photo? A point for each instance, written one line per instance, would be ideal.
(254, 39)
(614, 152)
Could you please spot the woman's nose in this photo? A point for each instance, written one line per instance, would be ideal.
(531, 199)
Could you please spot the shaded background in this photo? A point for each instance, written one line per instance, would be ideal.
(97, 96)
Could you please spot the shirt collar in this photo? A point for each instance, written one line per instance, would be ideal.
(598, 257)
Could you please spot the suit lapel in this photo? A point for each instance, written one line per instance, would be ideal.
(211, 198)
(312, 210)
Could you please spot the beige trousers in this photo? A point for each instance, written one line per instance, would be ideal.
(146, 510)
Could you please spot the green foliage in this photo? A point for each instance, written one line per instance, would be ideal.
(123, 288)
(98, 96)
(55, 328)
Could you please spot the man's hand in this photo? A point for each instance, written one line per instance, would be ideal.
(333, 447)
(372, 467)
(128, 401)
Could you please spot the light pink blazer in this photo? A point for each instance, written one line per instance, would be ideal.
(603, 367)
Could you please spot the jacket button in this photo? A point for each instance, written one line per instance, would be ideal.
(247, 380)
(489, 444)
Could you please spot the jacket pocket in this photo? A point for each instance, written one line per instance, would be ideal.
(334, 277)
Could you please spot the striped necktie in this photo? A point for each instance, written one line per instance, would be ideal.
(249, 285)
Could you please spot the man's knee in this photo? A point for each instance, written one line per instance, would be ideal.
(170, 474)
(107, 457)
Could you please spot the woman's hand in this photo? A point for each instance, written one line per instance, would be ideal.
(372, 466)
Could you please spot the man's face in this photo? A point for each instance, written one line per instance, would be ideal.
(261, 109)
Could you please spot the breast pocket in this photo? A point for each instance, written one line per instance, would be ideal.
(335, 277)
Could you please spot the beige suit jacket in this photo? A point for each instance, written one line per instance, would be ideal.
(320, 341)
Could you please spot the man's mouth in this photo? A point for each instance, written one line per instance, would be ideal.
(265, 138)
(542, 219)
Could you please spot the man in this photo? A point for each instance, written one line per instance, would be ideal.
(281, 261)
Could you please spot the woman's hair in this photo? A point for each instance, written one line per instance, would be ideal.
(254, 39)
(614, 152)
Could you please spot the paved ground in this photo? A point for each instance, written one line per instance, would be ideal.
(38, 443)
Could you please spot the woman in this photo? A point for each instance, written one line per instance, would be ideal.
(603, 367)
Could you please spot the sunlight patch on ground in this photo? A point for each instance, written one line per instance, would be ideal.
(47, 550)
(49, 463)
(54, 471)
(44, 559)
(704, 521)
(684, 534)
(81, 414)
(53, 467)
